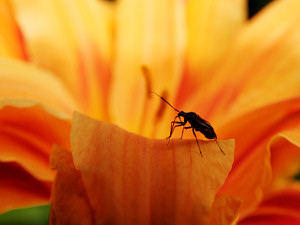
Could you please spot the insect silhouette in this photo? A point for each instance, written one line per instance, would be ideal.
(196, 124)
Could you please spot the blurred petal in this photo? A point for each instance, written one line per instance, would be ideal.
(285, 164)
(11, 41)
(76, 36)
(26, 138)
(19, 188)
(281, 209)
(28, 131)
(212, 27)
(130, 179)
(22, 84)
(27, 135)
(252, 132)
(149, 33)
(265, 53)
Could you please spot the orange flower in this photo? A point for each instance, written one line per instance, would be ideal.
(243, 76)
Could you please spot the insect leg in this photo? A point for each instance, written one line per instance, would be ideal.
(197, 142)
(219, 145)
(175, 124)
(179, 124)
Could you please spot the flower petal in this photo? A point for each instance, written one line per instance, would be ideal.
(76, 35)
(74, 201)
(23, 84)
(252, 147)
(26, 138)
(11, 42)
(27, 135)
(212, 26)
(265, 53)
(225, 210)
(152, 35)
(34, 106)
(282, 208)
(130, 179)
(19, 188)
(285, 164)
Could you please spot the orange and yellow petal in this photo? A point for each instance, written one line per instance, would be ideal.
(72, 39)
(261, 67)
(150, 33)
(23, 84)
(252, 168)
(124, 178)
(35, 113)
(11, 41)
(26, 138)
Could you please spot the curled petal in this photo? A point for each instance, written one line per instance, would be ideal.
(26, 138)
(285, 157)
(34, 112)
(129, 179)
(23, 85)
(252, 146)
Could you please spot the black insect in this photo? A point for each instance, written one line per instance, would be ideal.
(196, 124)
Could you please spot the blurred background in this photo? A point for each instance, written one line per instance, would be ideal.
(39, 215)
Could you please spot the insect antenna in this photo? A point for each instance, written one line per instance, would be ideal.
(164, 100)
(219, 145)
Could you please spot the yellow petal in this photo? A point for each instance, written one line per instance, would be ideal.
(130, 179)
(11, 42)
(212, 26)
(149, 33)
(22, 84)
(72, 39)
(262, 65)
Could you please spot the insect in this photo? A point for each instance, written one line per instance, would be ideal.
(196, 124)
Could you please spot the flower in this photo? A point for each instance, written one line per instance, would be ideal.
(241, 75)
